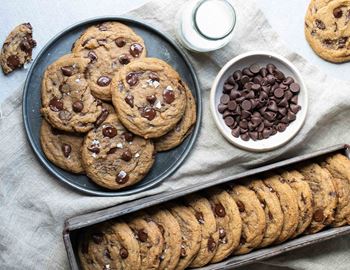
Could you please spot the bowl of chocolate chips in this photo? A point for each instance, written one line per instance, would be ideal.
(259, 101)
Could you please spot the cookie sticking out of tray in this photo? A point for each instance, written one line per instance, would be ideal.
(237, 218)
(153, 110)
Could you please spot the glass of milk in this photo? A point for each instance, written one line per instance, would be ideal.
(205, 25)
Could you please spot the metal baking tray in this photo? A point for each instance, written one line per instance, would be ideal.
(75, 225)
(158, 45)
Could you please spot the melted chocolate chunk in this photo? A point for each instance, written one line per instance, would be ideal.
(120, 42)
(67, 71)
(168, 96)
(122, 177)
(337, 12)
(94, 149)
(126, 155)
(123, 252)
(320, 24)
(142, 235)
(148, 113)
(124, 59)
(153, 76)
(151, 99)
(78, 106)
(240, 205)
(66, 149)
(135, 49)
(128, 136)
(211, 244)
(102, 117)
(199, 217)
(132, 78)
(56, 105)
(104, 81)
(130, 100)
(65, 115)
(219, 210)
(92, 56)
(13, 62)
(318, 215)
(109, 132)
(183, 252)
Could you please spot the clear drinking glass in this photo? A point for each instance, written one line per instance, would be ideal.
(205, 25)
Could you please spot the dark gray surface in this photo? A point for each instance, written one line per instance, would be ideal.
(158, 45)
(73, 226)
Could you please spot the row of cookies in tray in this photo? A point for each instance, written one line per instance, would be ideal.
(108, 108)
(235, 219)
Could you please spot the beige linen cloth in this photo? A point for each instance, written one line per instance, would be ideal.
(34, 205)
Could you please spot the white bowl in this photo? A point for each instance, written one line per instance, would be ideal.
(262, 58)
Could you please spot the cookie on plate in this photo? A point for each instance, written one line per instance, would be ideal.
(289, 205)
(171, 232)
(304, 196)
(113, 157)
(339, 166)
(210, 236)
(327, 29)
(324, 196)
(109, 246)
(150, 238)
(273, 211)
(17, 48)
(149, 97)
(253, 218)
(67, 103)
(108, 46)
(182, 129)
(228, 222)
(62, 148)
(190, 231)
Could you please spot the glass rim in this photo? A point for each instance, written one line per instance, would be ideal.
(194, 16)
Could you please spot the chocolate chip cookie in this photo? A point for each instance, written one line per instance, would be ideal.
(327, 29)
(304, 196)
(171, 232)
(273, 211)
(339, 166)
(113, 157)
(149, 97)
(150, 238)
(210, 236)
(108, 46)
(228, 223)
(182, 129)
(289, 205)
(253, 218)
(324, 196)
(61, 148)
(17, 49)
(67, 103)
(97, 248)
(190, 231)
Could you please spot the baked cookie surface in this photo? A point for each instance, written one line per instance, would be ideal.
(108, 46)
(113, 157)
(228, 223)
(67, 103)
(289, 205)
(253, 218)
(149, 97)
(17, 48)
(324, 196)
(327, 29)
(273, 211)
(304, 196)
(62, 148)
(182, 129)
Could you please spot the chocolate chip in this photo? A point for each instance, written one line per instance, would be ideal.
(199, 217)
(129, 99)
(271, 68)
(237, 75)
(123, 252)
(56, 105)
(240, 205)
(294, 87)
(97, 238)
(222, 107)
(124, 59)
(318, 215)
(13, 62)
(222, 233)
(278, 93)
(142, 235)
(94, 149)
(183, 252)
(132, 78)
(128, 136)
(246, 105)
(65, 115)
(112, 150)
(148, 113)
(151, 99)
(153, 76)
(229, 121)
(288, 80)
(122, 177)
(92, 56)
(254, 68)
(337, 12)
(320, 24)
(294, 108)
(244, 79)
(120, 42)
(246, 71)
(104, 81)
(168, 96)
(225, 99)
(219, 210)
(66, 149)
(78, 106)
(109, 131)
(135, 49)
(126, 155)
(67, 71)
(102, 117)
(211, 244)
(232, 105)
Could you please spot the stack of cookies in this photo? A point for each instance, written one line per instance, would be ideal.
(210, 226)
(108, 109)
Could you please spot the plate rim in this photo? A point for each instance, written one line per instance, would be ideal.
(48, 165)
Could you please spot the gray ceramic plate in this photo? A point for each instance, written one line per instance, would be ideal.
(158, 45)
